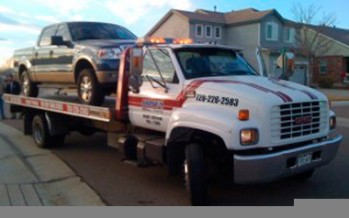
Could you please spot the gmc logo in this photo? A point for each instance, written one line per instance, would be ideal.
(303, 120)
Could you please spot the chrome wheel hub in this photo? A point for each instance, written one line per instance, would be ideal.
(25, 85)
(86, 88)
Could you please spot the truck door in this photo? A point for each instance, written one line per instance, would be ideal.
(62, 56)
(158, 95)
(42, 55)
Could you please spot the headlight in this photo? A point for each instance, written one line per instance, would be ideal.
(109, 53)
(249, 136)
(333, 122)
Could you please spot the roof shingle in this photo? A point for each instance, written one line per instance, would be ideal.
(232, 17)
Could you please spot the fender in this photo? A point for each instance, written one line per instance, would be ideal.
(24, 62)
(87, 58)
(203, 118)
(57, 125)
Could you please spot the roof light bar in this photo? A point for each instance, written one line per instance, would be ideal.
(160, 40)
(182, 41)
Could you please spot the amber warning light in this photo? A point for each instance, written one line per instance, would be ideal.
(161, 40)
(244, 115)
(183, 41)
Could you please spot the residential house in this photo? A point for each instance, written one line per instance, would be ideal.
(249, 29)
(333, 62)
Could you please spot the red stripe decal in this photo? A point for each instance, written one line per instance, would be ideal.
(311, 95)
(169, 104)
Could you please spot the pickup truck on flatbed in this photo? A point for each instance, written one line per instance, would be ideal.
(84, 54)
(202, 111)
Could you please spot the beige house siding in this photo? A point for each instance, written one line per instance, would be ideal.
(246, 37)
(338, 49)
(174, 27)
(221, 40)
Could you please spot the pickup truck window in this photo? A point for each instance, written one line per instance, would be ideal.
(163, 61)
(92, 31)
(46, 36)
(209, 62)
(64, 32)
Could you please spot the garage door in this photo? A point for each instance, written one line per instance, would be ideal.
(299, 74)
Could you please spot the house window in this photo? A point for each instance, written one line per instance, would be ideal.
(198, 30)
(290, 34)
(217, 32)
(272, 31)
(323, 67)
(208, 31)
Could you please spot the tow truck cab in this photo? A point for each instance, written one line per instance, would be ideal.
(209, 98)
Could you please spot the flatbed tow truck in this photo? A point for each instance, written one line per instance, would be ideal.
(202, 111)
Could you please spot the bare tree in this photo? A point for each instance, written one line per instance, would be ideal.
(311, 23)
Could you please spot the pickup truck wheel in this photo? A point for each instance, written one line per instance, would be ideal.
(89, 90)
(41, 133)
(28, 87)
(196, 174)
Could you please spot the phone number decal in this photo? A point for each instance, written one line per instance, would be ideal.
(217, 100)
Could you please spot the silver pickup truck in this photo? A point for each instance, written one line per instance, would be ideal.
(84, 54)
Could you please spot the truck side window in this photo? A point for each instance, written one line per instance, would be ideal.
(163, 61)
(64, 32)
(46, 36)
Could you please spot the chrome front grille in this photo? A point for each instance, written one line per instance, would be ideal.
(298, 119)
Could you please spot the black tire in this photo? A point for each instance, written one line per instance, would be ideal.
(29, 88)
(41, 133)
(304, 176)
(89, 90)
(196, 175)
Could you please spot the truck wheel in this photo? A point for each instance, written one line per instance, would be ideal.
(196, 175)
(41, 133)
(89, 90)
(28, 87)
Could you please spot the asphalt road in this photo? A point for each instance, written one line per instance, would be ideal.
(119, 183)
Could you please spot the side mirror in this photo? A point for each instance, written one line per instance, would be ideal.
(136, 65)
(57, 40)
(134, 83)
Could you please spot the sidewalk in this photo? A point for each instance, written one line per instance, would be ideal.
(30, 176)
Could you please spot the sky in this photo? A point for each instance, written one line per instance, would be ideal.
(21, 20)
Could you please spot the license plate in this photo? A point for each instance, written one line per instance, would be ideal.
(304, 159)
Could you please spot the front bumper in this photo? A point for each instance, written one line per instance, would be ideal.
(249, 169)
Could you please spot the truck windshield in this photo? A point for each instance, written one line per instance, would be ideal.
(88, 31)
(208, 62)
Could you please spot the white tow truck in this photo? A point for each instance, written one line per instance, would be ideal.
(202, 111)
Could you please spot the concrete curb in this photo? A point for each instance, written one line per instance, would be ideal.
(336, 98)
(34, 177)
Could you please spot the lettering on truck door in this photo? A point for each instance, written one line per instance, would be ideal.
(152, 106)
